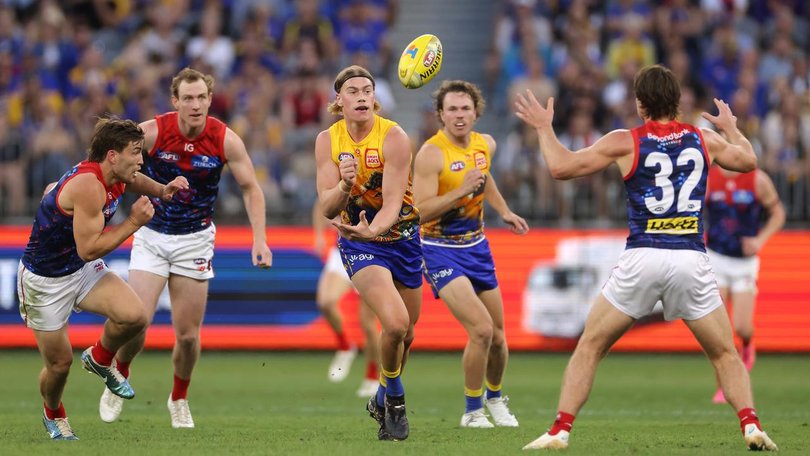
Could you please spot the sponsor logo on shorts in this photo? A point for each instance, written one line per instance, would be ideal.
(204, 161)
(480, 160)
(361, 257)
(202, 264)
(99, 266)
(447, 272)
(457, 166)
(675, 225)
(373, 158)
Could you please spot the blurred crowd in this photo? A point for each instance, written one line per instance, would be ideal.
(65, 63)
(752, 53)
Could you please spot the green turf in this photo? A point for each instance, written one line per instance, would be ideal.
(281, 403)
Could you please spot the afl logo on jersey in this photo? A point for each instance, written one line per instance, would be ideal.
(204, 161)
(373, 158)
(170, 157)
(480, 160)
(457, 166)
(344, 156)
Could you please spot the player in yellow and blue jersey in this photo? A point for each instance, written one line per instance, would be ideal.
(363, 174)
(451, 182)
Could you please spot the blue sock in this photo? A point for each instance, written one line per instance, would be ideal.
(395, 387)
(473, 403)
(380, 396)
(491, 394)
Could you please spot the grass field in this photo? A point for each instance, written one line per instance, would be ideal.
(273, 403)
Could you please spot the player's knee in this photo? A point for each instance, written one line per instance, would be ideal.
(187, 339)
(498, 338)
(744, 330)
(60, 365)
(481, 334)
(397, 330)
(325, 304)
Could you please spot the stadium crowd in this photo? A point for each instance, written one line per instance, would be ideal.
(64, 63)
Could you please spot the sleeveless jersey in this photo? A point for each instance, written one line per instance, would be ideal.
(200, 160)
(464, 222)
(51, 249)
(366, 195)
(732, 210)
(666, 187)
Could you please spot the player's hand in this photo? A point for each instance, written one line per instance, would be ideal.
(179, 183)
(751, 245)
(360, 232)
(348, 171)
(262, 256)
(473, 180)
(141, 212)
(725, 120)
(517, 224)
(529, 110)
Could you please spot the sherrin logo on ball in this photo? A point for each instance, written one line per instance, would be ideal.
(420, 61)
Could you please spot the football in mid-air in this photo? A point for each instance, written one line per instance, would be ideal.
(420, 61)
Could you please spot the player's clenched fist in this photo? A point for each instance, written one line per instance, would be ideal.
(142, 211)
(348, 172)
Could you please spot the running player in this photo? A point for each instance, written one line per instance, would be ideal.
(736, 234)
(665, 164)
(363, 174)
(177, 246)
(61, 269)
(451, 181)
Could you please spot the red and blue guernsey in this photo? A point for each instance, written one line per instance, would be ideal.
(666, 187)
(200, 160)
(733, 211)
(51, 249)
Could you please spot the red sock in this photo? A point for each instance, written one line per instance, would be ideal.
(122, 367)
(180, 390)
(372, 372)
(101, 355)
(563, 422)
(52, 414)
(748, 416)
(343, 342)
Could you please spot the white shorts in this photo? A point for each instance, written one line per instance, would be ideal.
(682, 280)
(335, 264)
(46, 302)
(188, 255)
(737, 274)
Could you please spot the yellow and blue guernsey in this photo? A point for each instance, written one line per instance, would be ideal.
(463, 224)
(366, 194)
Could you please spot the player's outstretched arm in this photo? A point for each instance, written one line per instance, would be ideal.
(427, 167)
(145, 185)
(563, 163)
(334, 185)
(736, 153)
(244, 174)
(85, 197)
(493, 196)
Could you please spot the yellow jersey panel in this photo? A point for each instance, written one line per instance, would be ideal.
(464, 222)
(366, 194)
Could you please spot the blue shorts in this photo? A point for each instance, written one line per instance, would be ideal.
(445, 263)
(402, 258)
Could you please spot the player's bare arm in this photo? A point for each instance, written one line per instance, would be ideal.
(493, 196)
(333, 190)
(396, 150)
(242, 170)
(150, 134)
(775, 218)
(616, 146)
(427, 167)
(85, 197)
(736, 153)
(145, 185)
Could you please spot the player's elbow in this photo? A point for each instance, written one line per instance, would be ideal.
(560, 173)
(749, 163)
(86, 254)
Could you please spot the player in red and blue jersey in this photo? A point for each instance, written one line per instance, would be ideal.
(665, 165)
(177, 246)
(735, 206)
(61, 269)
